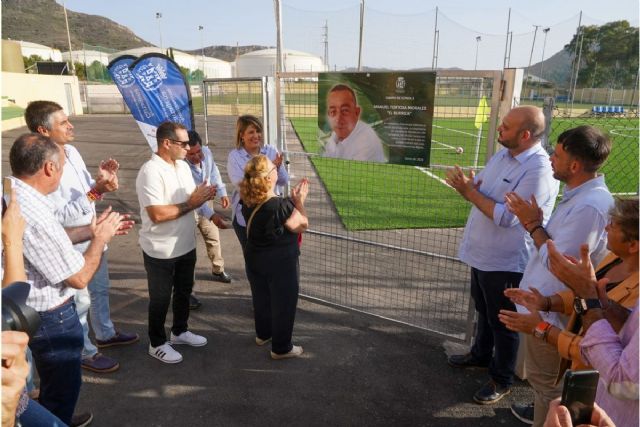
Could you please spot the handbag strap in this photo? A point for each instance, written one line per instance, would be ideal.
(254, 212)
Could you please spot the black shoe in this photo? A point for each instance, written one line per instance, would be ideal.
(81, 420)
(523, 412)
(194, 303)
(466, 361)
(221, 277)
(490, 393)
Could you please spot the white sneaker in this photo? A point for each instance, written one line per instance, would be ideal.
(296, 351)
(188, 338)
(165, 353)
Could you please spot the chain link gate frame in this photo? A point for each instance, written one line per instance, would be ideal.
(409, 274)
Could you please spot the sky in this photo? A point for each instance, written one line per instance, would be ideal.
(398, 34)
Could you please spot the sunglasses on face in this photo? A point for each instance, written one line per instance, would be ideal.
(183, 144)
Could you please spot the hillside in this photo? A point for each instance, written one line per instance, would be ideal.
(557, 69)
(42, 21)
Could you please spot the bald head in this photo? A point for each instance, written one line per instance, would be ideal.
(531, 119)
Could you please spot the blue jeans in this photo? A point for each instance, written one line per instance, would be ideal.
(83, 302)
(56, 348)
(35, 415)
(494, 343)
(94, 300)
(100, 314)
(167, 277)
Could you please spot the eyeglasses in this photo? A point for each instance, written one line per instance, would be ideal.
(183, 144)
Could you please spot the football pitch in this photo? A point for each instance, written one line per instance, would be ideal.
(371, 196)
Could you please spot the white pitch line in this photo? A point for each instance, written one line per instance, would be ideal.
(442, 143)
(455, 130)
(432, 175)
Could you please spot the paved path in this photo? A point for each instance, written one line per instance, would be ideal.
(356, 370)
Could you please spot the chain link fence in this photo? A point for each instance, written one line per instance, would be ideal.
(621, 124)
(383, 238)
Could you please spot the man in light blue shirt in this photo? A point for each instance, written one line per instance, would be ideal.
(496, 246)
(203, 168)
(580, 217)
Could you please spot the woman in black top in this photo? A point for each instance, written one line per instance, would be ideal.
(271, 253)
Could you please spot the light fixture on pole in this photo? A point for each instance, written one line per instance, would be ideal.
(478, 40)
(158, 17)
(200, 28)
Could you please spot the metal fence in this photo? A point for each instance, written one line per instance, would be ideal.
(383, 238)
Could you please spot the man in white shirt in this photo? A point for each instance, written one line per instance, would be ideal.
(168, 197)
(350, 138)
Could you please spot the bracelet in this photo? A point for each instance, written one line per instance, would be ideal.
(545, 334)
(94, 195)
(547, 305)
(534, 229)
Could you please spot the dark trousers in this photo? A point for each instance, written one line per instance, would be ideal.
(493, 341)
(241, 233)
(164, 278)
(274, 288)
(57, 348)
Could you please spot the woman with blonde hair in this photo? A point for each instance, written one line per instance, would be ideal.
(271, 253)
(249, 143)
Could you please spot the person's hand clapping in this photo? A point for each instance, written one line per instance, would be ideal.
(577, 275)
(107, 179)
(463, 184)
(201, 194)
(300, 191)
(532, 299)
(107, 227)
(529, 213)
(278, 160)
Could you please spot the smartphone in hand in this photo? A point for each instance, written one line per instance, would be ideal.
(579, 393)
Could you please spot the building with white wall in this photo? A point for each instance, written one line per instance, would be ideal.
(263, 63)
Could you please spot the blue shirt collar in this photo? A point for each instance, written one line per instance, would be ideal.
(585, 186)
(524, 156)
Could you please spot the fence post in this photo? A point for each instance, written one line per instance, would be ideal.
(547, 109)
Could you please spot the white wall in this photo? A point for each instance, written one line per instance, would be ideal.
(24, 88)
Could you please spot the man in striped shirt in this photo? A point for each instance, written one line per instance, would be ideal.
(54, 270)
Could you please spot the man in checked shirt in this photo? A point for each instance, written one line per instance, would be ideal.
(54, 270)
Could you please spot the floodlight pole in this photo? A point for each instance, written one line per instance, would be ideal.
(575, 80)
(279, 69)
(544, 45)
(361, 35)
(436, 41)
(526, 75)
(158, 17)
(200, 28)
(506, 45)
(66, 21)
(478, 40)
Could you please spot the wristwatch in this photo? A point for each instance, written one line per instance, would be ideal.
(542, 330)
(581, 305)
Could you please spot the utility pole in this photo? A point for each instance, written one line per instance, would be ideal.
(66, 21)
(577, 56)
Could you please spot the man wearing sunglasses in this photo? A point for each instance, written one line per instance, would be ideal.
(168, 197)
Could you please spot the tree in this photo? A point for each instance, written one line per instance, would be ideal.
(80, 70)
(29, 62)
(196, 76)
(609, 55)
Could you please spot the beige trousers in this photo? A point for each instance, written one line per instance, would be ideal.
(211, 236)
(541, 364)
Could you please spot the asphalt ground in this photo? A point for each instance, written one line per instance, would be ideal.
(356, 369)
